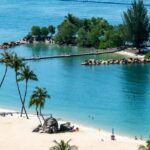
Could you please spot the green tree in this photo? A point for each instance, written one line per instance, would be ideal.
(51, 29)
(44, 31)
(38, 100)
(26, 74)
(62, 145)
(36, 31)
(66, 33)
(6, 59)
(94, 37)
(16, 64)
(147, 147)
(74, 20)
(82, 38)
(113, 37)
(137, 25)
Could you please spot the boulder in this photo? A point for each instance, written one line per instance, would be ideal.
(65, 127)
(50, 125)
(37, 129)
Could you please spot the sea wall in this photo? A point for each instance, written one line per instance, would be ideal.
(114, 61)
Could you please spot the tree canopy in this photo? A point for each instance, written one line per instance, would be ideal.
(136, 22)
(84, 32)
(38, 31)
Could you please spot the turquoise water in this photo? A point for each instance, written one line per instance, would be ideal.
(117, 96)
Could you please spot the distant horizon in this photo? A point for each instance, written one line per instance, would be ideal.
(104, 2)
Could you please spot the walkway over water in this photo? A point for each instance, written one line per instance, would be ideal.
(71, 55)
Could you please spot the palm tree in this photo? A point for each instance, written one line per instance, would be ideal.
(6, 58)
(16, 64)
(38, 100)
(147, 147)
(34, 101)
(26, 74)
(63, 146)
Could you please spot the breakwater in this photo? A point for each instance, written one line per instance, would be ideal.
(118, 61)
(7, 45)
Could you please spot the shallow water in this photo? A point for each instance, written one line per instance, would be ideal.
(116, 95)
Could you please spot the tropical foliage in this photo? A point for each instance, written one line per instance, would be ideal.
(25, 74)
(136, 22)
(38, 100)
(38, 31)
(98, 33)
(93, 32)
(6, 58)
(62, 145)
(147, 147)
(147, 55)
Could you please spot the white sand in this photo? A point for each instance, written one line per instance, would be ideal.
(130, 54)
(16, 134)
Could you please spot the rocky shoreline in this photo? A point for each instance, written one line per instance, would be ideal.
(7, 45)
(113, 61)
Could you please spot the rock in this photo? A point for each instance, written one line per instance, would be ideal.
(119, 61)
(50, 125)
(37, 129)
(65, 127)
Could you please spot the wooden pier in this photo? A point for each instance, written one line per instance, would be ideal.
(70, 55)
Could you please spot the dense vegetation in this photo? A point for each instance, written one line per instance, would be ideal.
(41, 33)
(147, 55)
(94, 32)
(136, 22)
(98, 33)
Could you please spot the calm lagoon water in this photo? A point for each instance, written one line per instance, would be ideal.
(117, 96)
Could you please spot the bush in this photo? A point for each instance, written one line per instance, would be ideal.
(147, 55)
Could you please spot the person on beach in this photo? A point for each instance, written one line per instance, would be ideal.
(113, 135)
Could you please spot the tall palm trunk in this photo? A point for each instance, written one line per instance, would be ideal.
(42, 114)
(21, 97)
(6, 68)
(24, 99)
(37, 113)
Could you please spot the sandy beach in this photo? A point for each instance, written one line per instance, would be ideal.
(130, 54)
(16, 134)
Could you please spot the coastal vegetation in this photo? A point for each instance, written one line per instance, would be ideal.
(147, 147)
(38, 100)
(5, 59)
(93, 32)
(98, 32)
(24, 73)
(147, 55)
(13, 61)
(16, 64)
(62, 145)
(136, 24)
(40, 33)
